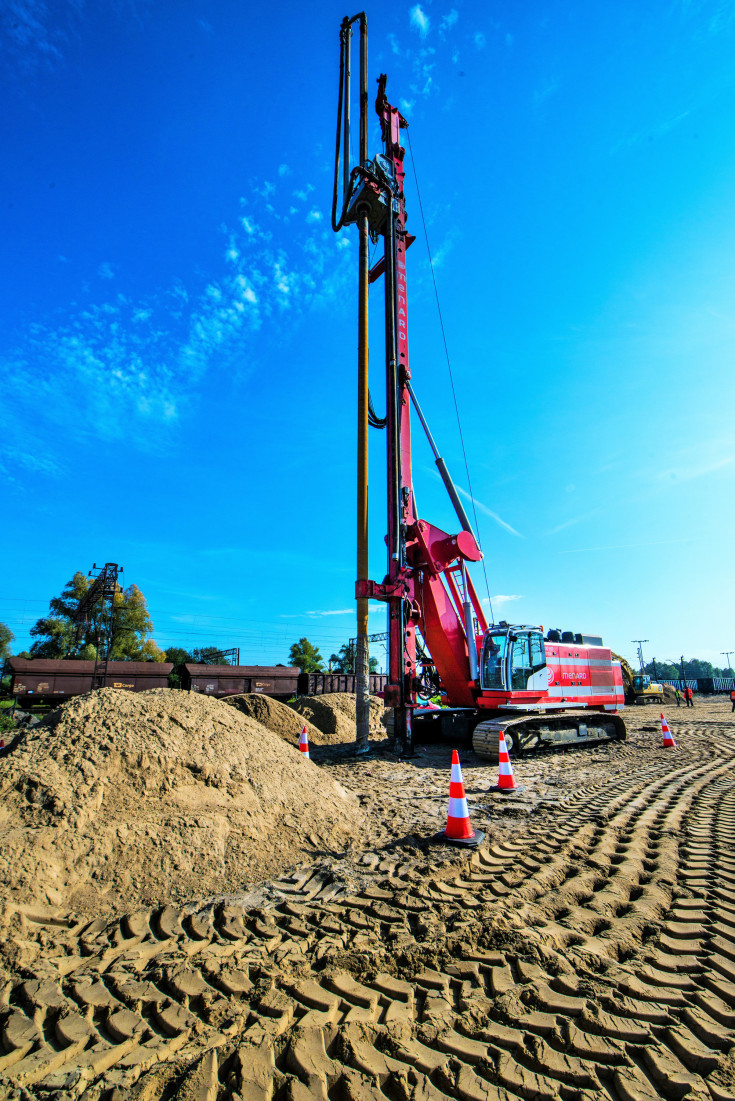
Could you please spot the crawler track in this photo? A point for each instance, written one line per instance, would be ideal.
(592, 960)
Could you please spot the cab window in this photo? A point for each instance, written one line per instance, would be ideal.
(492, 662)
(538, 652)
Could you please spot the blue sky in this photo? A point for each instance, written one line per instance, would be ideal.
(177, 328)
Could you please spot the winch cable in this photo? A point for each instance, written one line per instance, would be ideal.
(449, 367)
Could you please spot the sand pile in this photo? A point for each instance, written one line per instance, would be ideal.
(277, 717)
(120, 799)
(334, 714)
(669, 693)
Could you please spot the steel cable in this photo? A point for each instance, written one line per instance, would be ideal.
(449, 367)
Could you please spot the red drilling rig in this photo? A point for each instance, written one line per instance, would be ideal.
(493, 677)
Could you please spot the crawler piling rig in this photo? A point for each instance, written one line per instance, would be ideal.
(494, 678)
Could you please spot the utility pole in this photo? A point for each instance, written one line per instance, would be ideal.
(640, 642)
(683, 674)
(655, 670)
(727, 654)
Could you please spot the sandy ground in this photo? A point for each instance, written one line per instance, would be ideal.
(585, 950)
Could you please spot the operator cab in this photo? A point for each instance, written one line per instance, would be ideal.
(640, 683)
(513, 659)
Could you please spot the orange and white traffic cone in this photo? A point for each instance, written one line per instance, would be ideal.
(668, 742)
(458, 830)
(506, 779)
(304, 744)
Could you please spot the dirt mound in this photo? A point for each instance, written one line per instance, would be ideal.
(277, 717)
(669, 693)
(334, 714)
(119, 799)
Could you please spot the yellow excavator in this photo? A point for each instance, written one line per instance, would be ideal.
(639, 688)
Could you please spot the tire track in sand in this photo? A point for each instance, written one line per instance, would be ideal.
(593, 961)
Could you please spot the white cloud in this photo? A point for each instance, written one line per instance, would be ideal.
(284, 170)
(374, 609)
(502, 598)
(479, 40)
(121, 369)
(393, 41)
(314, 216)
(419, 20)
(105, 271)
(489, 512)
(449, 20)
(625, 546)
(574, 521)
(546, 91)
(687, 473)
(407, 106)
(337, 611)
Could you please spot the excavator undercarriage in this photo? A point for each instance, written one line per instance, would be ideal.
(536, 731)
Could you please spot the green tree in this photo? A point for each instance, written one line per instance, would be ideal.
(664, 669)
(693, 669)
(6, 637)
(55, 633)
(207, 655)
(177, 656)
(696, 668)
(344, 661)
(304, 654)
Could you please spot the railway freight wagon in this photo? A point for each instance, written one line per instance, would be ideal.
(316, 684)
(37, 681)
(279, 681)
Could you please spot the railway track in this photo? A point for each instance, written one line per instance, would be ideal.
(592, 960)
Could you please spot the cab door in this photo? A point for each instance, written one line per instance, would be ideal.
(527, 663)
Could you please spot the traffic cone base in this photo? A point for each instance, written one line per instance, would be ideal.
(458, 830)
(304, 744)
(668, 737)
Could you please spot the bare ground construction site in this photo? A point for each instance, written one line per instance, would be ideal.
(192, 910)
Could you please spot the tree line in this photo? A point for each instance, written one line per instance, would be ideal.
(694, 668)
(56, 636)
(307, 656)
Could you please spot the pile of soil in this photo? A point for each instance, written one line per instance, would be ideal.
(119, 799)
(334, 714)
(277, 717)
(669, 693)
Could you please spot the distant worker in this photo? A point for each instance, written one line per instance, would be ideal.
(689, 697)
(678, 697)
(732, 697)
